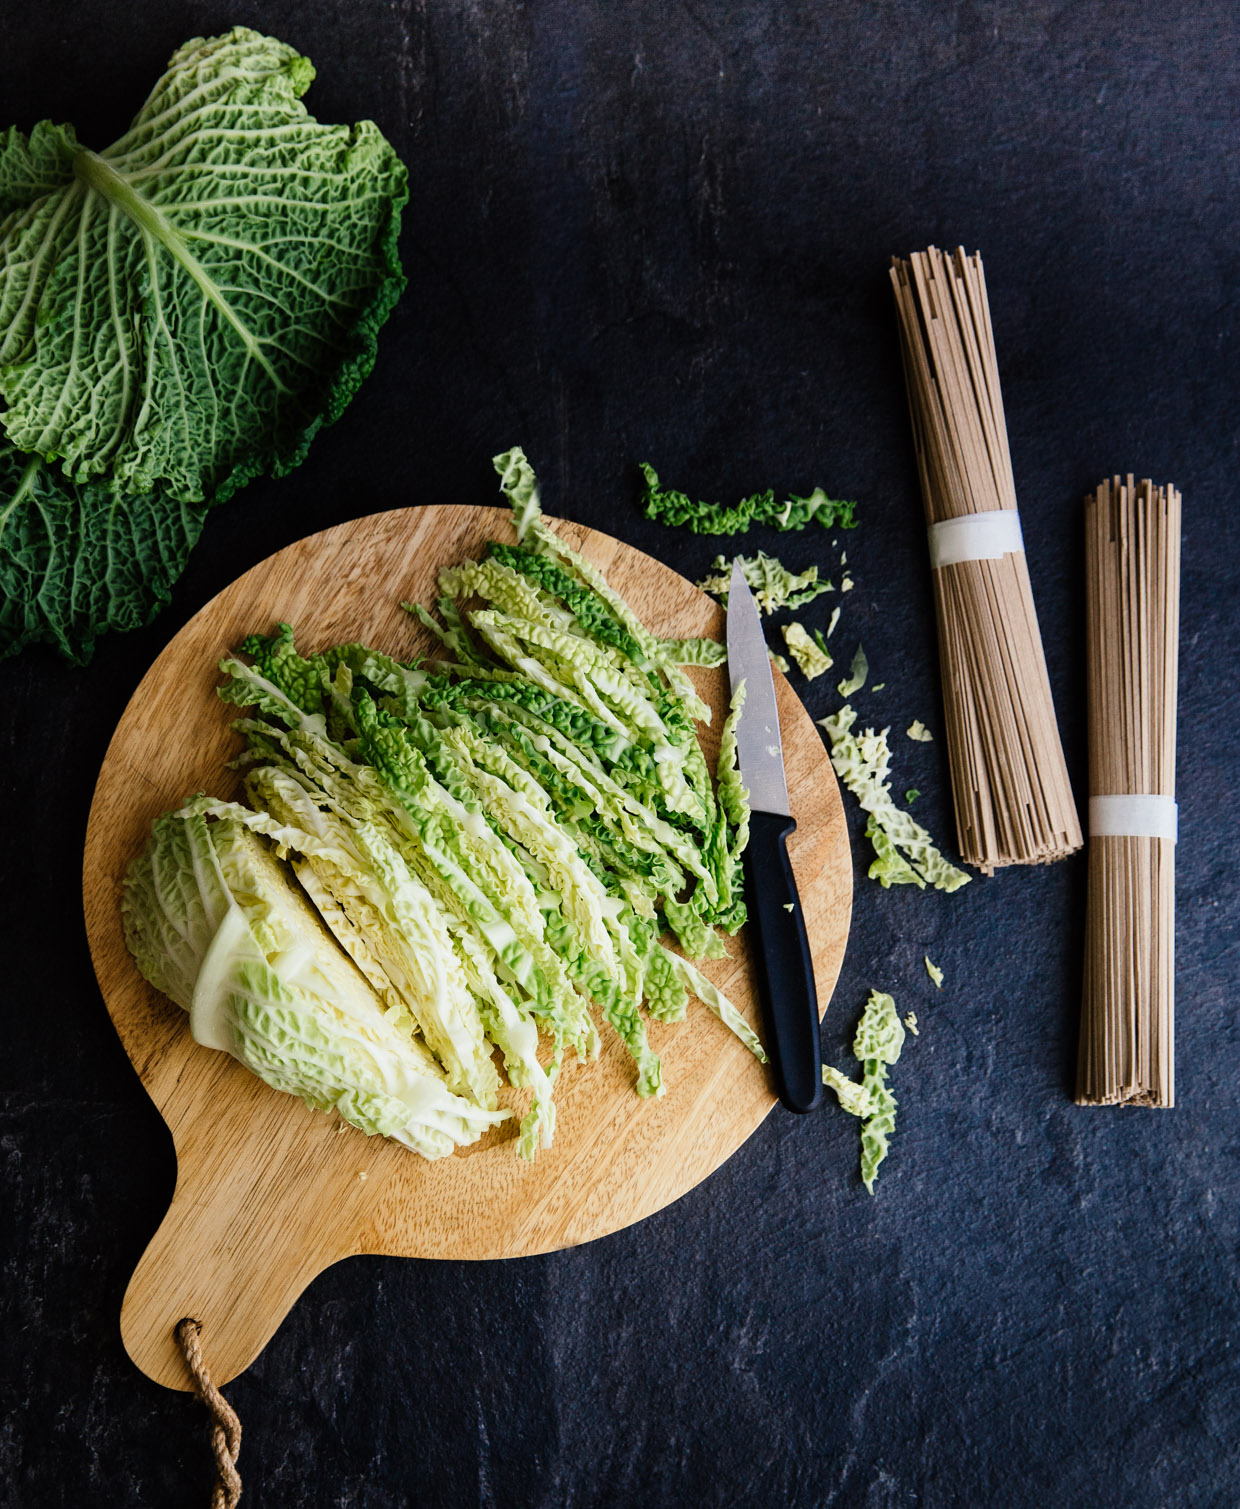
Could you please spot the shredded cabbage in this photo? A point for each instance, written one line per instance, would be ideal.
(497, 839)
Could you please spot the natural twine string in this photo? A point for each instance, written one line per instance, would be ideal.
(225, 1426)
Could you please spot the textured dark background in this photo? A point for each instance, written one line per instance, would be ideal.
(657, 230)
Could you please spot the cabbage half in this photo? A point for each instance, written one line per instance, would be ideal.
(215, 922)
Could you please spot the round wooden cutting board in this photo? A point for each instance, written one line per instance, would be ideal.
(269, 1193)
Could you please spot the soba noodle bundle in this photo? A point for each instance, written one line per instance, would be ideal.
(1132, 562)
(1012, 797)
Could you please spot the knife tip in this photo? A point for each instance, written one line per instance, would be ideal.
(738, 574)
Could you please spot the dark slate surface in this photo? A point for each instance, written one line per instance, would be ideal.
(644, 230)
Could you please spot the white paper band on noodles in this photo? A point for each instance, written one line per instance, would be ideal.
(1133, 816)
(975, 537)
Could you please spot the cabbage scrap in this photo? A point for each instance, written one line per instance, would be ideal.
(773, 585)
(905, 853)
(857, 674)
(811, 655)
(671, 507)
(878, 1041)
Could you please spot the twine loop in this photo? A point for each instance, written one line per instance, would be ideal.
(225, 1426)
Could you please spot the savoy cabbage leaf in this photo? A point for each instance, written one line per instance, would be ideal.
(179, 313)
(79, 558)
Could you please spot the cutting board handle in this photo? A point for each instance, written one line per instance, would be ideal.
(233, 1253)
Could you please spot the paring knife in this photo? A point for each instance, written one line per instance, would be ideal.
(777, 926)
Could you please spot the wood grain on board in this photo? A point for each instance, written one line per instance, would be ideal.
(268, 1192)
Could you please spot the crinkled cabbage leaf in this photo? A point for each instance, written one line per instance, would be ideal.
(79, 558)
(179, 313)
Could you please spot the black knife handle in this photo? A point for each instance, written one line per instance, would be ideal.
(780, 951)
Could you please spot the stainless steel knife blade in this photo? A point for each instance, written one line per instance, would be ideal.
(778, 942)
(760, 752)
